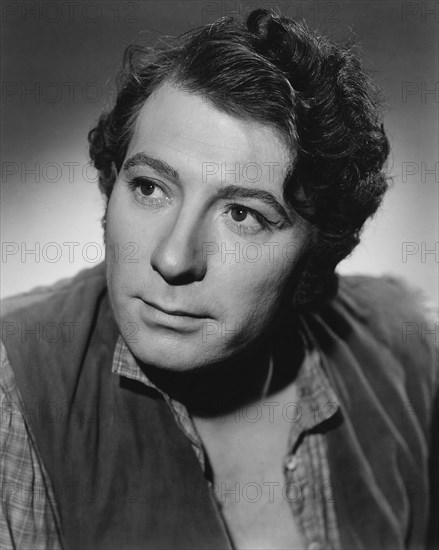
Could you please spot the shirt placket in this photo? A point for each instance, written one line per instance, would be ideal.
(307, 485)
(306, 493)
(306, 469)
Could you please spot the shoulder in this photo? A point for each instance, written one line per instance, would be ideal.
(84, 281)
(398, 313)
(21, 468)
(385, 296)
(396, 319)
(50, 325)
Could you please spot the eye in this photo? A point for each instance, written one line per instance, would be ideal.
(255, 222)
(147, 188)
(148, 192)
(238, 213)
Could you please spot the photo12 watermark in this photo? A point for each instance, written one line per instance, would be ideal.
(420, 12)
(419, 172)
(420, 252)
(53, 252)
(50, 172)
(67, 92)
(70, 12)
(422, 92)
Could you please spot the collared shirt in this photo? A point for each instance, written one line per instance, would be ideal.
(29, 517)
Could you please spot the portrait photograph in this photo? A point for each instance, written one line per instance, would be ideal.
(219, 275)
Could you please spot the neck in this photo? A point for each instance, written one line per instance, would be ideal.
(224, 387)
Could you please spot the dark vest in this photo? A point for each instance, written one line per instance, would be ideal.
(125, 476)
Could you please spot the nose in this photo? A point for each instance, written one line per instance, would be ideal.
(177, 255)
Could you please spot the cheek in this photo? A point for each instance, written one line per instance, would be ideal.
(120, 228)
(253, 290)
(122, 245)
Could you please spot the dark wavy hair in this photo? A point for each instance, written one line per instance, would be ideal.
(314, 91)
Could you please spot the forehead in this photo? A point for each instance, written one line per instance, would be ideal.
(186, 131)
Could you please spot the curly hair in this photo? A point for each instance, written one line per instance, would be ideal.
(314, 91)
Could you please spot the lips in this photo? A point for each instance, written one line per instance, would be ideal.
(177, 312)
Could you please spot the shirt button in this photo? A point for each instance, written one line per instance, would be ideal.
(315, 546)
(290, 463)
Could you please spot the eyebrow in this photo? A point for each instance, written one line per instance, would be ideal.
(227, 192)
(160, 166)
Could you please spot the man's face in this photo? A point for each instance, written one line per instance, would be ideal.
(199, 241)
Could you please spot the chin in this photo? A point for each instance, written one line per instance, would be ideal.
(178, 346)
(168, 351)
(173, 351)
(169, 361)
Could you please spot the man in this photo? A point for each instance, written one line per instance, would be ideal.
(215, 384)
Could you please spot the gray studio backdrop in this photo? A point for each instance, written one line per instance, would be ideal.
(58, 64)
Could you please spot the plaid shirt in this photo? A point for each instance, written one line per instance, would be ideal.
(29, 516)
